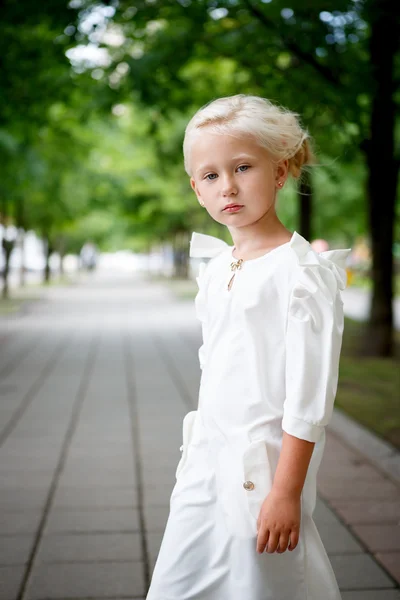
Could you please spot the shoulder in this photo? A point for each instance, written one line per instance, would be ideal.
(315, 271)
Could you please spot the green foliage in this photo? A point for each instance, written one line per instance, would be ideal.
(96, 150)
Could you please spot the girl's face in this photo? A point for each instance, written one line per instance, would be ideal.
(230, 170)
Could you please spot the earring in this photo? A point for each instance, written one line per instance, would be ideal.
(202, 204)
(280, 183)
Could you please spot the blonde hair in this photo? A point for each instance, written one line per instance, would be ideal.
(276, 129)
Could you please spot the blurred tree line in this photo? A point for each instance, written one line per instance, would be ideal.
(96, 96)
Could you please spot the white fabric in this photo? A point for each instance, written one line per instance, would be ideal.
(269, 362)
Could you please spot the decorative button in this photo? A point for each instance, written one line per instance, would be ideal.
(248, 485)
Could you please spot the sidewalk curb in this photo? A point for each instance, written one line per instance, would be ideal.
(379, 452)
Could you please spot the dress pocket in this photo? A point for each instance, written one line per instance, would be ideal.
(187, 432)
(257, 475)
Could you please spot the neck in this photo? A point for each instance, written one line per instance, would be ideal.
(258, 238)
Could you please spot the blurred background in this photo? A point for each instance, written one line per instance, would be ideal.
(96, 215)
(95, 97)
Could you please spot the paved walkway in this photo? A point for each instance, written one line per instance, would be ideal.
(94, 383)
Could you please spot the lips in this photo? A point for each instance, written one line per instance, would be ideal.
(233, 207)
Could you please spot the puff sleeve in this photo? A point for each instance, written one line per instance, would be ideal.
(313, 343)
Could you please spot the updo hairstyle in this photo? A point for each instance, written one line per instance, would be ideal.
(276, 129)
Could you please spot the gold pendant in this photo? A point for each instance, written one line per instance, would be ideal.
(234, 266)
(231, 281)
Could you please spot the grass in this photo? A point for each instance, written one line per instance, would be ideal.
(368, 389)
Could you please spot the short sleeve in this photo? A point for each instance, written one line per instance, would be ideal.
(313, 344)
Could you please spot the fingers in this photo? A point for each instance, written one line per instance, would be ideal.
(262, 538)
(294, 539)
(273, 542)
(283, 542)
(279, 542)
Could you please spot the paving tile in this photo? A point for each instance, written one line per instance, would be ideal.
(15, 550)
(371, 595)
(391, 562)
(112, 520)
(10, 581)
(19, 499)
(157, 493)
(156, 517)
(336, 450)
(19, 522)
(338, 540)
(368, 511)
(349, 469)
(91, 547)
(95, 498)
(391, 464)
(97, 478)
(323, 514)
(359, 571)
(23, 480)
(365, 441)
(88, 580)
(384, 538)
(154, 540)
(338, 488)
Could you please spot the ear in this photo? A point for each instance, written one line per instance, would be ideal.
(282, 169)
(195, 188)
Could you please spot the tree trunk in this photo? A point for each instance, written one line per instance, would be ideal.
(382, 176)
(181, 255)
(48, 252)
(8, 246)
(20, 223)
(305, 203)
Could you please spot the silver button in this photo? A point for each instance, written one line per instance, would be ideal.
(248, 485)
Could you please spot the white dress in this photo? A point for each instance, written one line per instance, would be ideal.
(269, 360)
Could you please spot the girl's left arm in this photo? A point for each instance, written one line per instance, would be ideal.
(279, 519)
(313, 344)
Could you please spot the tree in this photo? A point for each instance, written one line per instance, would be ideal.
(344, 60)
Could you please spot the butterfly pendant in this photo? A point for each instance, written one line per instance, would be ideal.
(234, 267)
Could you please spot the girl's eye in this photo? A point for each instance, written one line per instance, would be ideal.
(245, 167)
(210, 175)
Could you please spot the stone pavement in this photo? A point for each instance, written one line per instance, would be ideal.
(94, 383)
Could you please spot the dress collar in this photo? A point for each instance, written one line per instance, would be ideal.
(208, 246)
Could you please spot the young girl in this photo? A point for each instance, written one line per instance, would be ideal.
(240, 524)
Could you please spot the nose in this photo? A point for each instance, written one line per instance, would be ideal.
(228, 187)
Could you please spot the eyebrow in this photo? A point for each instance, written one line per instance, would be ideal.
(234, 158)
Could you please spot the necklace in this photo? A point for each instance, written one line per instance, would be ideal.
(234, 267)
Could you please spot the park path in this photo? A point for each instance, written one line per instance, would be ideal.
(94, 383)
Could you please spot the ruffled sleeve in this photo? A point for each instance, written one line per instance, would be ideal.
(313, 340)
(204, 246)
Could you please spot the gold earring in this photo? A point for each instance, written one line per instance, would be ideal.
(202, 204)
(280, 183)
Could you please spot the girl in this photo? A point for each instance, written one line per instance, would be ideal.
(240, 524)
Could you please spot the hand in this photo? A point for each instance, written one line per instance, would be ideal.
(278, 523)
